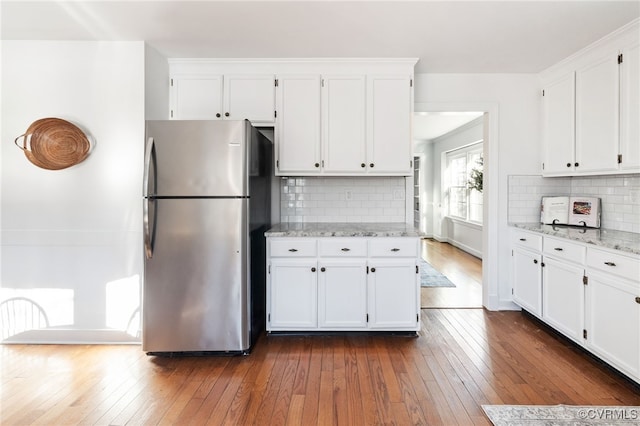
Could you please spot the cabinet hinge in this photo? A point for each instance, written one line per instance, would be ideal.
(275, 114)
(269, 317)
(171, 113)
(276, 82)
(322, 82)
(542, 92)
(269, 269)
(619, 158)
(171, 83)
(367, 269)
(542, 166)
(584, 334)
(417, 317)
(511, 291)
(585, 280)
(620, 59)
(417, 270)
(277, 164)
(411, 83)
(367, 317)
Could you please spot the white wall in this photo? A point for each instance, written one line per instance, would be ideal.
(71, 238)
(424, 150)
(512, 146)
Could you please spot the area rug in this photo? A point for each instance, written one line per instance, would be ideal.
(561, 415)
(429, 277)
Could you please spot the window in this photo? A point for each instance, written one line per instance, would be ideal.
(463, 202)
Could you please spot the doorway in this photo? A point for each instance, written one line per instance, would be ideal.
(446, 207)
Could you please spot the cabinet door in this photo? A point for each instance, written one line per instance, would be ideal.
(393, 294)
(527, 280)
(196, 97)
(389, 111)
(613, 321)
(558, 126)
(343, 124)
(292, 294)
(297, 131)
(563, 297)
(597, 102)
(250, 97)
(630, 109)
(342, 293)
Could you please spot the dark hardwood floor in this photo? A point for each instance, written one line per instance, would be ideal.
(462, 269)
(463, 358)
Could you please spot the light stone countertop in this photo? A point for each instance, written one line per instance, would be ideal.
(329, 229)
(628, 242)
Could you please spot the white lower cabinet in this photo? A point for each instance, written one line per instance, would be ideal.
(589, 294)
(343, 284)
(292, 294)
(613, 321)
(342, 294)
(393, 294)
(563, 297)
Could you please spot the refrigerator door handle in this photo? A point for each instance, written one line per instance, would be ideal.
(149, 187)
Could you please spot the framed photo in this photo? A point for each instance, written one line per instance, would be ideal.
(584, 211)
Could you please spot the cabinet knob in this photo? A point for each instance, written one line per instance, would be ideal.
(535, 261)
(363, 165)
(568, 164)
(609, 263)
(373, 269)
(322, 269)
(226, 114)
(317, 164)
(371, 165)
(576, 164)
(218, 115)
(638, 300)
(313, 269)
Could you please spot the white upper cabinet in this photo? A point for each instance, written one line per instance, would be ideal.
(389, 111)
(250, 97)
(297, 129)
(196, 97)
(218, 97)
(591, 109)
(343, 124)
(630, 108)
(597, 101)
(558, 130)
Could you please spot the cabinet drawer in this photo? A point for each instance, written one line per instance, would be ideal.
(526, 239)
(342, 247)
(393, 247)
(292, 247)
(613, 263)
(563, 249)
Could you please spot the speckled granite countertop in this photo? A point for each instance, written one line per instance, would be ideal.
(624, 241)
(319, 229)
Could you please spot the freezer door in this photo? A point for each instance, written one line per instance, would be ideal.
(196, 295)
(197, 158)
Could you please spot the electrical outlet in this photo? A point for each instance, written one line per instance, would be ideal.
(348, 195)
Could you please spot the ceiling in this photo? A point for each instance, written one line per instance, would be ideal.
(508, 36)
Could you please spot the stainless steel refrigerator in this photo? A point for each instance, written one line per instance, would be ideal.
(206, 207)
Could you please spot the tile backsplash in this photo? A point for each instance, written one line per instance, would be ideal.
(338, 199)
(620, 197)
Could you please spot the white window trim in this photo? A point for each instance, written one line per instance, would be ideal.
(465, 150)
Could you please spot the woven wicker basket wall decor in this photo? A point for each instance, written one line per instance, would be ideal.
(54, 144)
